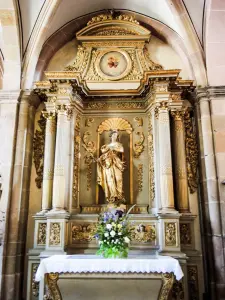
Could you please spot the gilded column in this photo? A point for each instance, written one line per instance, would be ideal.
(49, 155)
(181, 182)
(165, 158)
(61, 152)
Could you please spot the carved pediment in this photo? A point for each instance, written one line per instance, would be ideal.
(112, 60)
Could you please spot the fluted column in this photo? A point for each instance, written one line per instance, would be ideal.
(61, 152)
(181, 182)
(49, 155)
(165, 158)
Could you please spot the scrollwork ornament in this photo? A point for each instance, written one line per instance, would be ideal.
(168, 280)
(170, 234)
(54, 294)
(88, 122)
(139, 145)
(139, 121)
(191, 152)
(38, 146)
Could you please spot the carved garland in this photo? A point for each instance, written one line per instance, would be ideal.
(140, 177)
(76, 161)
(90, 148)
(39, 145)
(191, 152)
(151, 160)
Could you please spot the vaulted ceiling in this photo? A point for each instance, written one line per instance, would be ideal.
(70, 9)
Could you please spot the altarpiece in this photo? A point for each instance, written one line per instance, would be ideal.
(115, 88)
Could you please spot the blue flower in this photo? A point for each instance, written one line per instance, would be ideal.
(119, 213)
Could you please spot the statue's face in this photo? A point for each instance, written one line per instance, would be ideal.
(114, 136)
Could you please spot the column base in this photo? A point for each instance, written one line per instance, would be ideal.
(43, 212)
(57, 211)
(168, 210)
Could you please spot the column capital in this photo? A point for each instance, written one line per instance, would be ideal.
(65, 109)
(178, 114)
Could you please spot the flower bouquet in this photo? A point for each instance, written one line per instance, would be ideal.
(113, 233)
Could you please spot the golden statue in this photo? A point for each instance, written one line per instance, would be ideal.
(110, 167)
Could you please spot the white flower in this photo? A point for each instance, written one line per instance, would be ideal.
(100, 242)
(104, 240)
(120, 233)
(117, 240)
(112, 233)
(112, 241)
(126, 240)
(107, 242)
(106, 234)
(109, 226)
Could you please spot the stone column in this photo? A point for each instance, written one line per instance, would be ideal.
(49, 155)
(181, 182)
(165, 158)
(64, 112)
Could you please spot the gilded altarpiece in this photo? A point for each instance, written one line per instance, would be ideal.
(114, 85)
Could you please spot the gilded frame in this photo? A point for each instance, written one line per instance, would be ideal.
(112, 78)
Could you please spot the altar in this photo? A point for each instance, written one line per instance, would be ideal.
(136, 269)
(114, 129)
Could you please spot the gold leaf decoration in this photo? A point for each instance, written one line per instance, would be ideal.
(38, 146)
(90, 148)
(140, 177)
(138, 146)
(191, 152)
(143, 233)
(115, 124)
(83, 232)
(77, 140)
(170, 234)
(151, 160)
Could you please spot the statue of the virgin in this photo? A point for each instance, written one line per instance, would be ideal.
(110, 169)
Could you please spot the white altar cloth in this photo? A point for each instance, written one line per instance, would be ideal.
(95, 264)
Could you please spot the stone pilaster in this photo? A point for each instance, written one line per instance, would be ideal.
(209, 105)
(49, 155)
(165, 158)
(181, 182)
(18, 207)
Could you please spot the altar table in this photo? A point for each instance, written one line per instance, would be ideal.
(164, 267)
